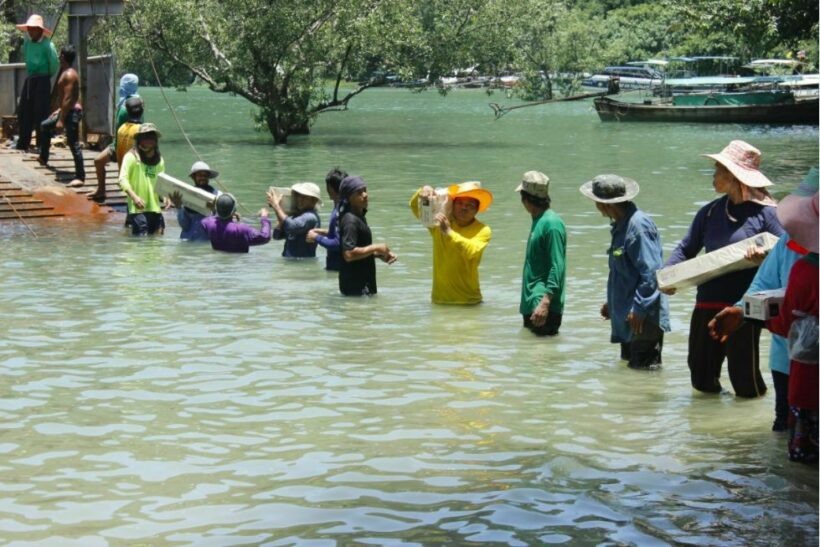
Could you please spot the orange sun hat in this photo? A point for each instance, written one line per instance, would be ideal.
(471, 189)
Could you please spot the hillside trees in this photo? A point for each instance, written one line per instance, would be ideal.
(554, 38)
(748, 28)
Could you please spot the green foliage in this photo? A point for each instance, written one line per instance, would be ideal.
(280, 55)
(640, 32)
(554, 40)
(748, 28)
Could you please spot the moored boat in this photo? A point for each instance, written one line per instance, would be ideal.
(794, 111)
(630, 77)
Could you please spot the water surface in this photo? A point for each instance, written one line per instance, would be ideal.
(156, 392)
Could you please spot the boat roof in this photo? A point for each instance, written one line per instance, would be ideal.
(703, 58)
(655, 62)
(711, 81)
(773, 62)
(806, 80)
(622, 66)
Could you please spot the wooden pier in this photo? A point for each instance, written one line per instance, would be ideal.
(29, 190)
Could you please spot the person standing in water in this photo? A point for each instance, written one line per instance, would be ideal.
(138, 179)
(459, 241)
(329, 239)
(357, 276)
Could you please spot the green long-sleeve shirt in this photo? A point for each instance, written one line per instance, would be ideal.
(142, 179)
(545, 269)
(41, 57)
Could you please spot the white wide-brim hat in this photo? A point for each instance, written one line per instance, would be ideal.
(307, 189)
(202, 166)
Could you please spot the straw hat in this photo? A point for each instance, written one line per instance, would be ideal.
(35, 21)
(202, 166)
(307, 189)
(535, 183)
(797, 213)
(147, 129)
(471, 189)
(610, 189)
(743, 161)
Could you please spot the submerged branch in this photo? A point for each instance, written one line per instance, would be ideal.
(500, 111)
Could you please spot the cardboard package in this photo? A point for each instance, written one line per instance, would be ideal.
(711, 265)
(194, 198)
(430, 207)
(763, 305)
(287, 196)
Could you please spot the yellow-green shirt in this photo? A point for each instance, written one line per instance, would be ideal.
(456, 257)
(142, 179)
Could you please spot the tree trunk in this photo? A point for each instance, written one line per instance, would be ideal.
(548, 85)
(282, 126)
(300, 128)
(277, 129)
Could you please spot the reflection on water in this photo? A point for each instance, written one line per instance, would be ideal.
(156, 392)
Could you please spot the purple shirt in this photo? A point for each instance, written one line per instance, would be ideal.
(235, 237)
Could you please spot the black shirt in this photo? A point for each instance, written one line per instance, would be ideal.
(358, 277)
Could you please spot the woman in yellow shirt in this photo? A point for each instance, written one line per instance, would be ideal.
(458, 242)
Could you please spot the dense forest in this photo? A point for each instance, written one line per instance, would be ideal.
(294, 60)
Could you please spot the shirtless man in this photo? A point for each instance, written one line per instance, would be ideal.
(67, 115)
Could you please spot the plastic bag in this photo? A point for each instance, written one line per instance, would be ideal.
(803, 339)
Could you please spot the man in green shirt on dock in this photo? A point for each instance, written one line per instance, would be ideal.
(542, 286)
(41, 64)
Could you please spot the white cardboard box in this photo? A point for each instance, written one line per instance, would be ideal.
(430, 207)
(287, 196)
(192, 197)
(711, 265)
(763, 305)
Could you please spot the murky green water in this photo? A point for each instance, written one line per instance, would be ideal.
(154, 392)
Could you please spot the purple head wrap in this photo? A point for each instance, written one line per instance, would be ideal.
(350, 185)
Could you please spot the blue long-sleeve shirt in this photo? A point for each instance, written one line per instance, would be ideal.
(330, 242)
(190, 221)
(632, 287)
(773, 273)
(293, 230)
(712, 229)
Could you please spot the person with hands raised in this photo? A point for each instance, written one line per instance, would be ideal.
(459, 241)
(228, 234)
(294, 226)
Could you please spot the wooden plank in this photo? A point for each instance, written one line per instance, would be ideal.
(37, 206)
(35, 214)
(4, 200)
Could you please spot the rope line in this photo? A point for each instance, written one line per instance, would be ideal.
(182, 130)
(20, 217)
